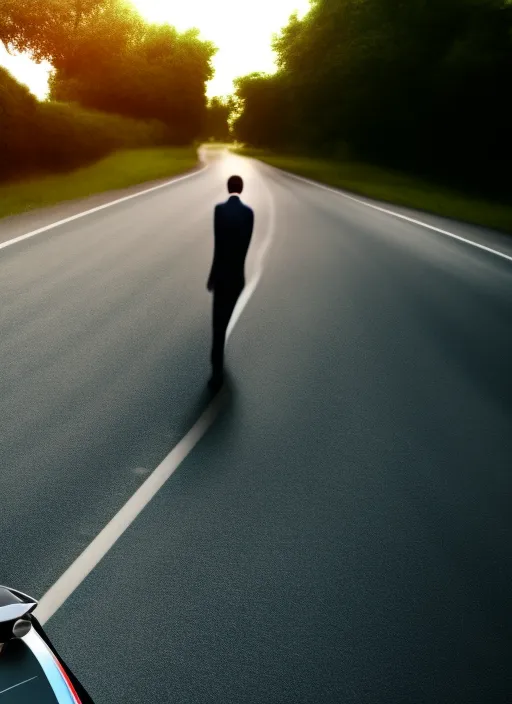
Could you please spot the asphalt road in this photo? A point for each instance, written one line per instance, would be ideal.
(343, 532)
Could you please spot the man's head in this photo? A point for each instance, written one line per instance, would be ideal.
(235, 184)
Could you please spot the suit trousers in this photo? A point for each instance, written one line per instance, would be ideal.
(224, 301)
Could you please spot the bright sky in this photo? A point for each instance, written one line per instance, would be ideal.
(241, 29)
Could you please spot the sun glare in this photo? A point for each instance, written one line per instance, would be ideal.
(241, 30)
(34, 76)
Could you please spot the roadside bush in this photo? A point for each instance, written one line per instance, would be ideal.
(70, 136)
(18, 120)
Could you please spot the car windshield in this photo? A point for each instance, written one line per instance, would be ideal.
(22, 679)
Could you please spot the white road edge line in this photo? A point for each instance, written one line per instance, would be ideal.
(394, 214)
(93, 553)
(58, 223)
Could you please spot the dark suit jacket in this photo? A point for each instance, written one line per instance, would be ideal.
(233, 226)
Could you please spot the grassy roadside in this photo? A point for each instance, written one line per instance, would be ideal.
(119, 170)
(392, 187)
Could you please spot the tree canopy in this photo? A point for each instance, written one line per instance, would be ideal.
(414, 83)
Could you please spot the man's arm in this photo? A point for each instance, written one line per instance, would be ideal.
(250, 227)
(251, 223)
(211, 277)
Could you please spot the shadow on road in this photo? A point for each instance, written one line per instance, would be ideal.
(225, 397)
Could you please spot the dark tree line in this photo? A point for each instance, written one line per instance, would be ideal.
(416, 84)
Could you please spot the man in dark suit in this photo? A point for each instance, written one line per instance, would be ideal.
(233, 226)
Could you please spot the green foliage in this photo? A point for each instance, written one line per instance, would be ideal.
(53, 136)
(87, 135)
(262, 110)
(421, 85)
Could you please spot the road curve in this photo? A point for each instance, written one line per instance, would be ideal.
(342, 533)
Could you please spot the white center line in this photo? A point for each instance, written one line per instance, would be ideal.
(91, 556)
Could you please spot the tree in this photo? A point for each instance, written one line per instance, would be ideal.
(161, 74)
(68, 32)
(261, 110)
(218, 120)
(420, 84)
